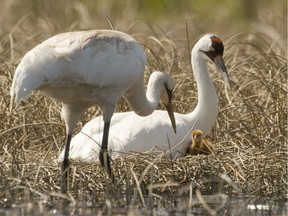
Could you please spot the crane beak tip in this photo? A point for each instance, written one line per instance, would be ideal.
(221, 65)
(227, 80)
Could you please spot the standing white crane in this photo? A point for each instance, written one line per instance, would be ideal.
(131, 133)
(87, 68)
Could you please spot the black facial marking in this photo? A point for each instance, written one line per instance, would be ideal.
(217, 48)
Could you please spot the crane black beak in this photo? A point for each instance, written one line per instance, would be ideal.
(169, 108)
(218, 60)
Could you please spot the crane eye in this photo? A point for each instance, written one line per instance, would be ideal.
(211, 54)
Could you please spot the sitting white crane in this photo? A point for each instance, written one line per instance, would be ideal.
(131, 133)
(87, 68)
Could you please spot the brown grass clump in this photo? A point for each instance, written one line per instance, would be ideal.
(250, 159)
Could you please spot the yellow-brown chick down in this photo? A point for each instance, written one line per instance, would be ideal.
(200, 145)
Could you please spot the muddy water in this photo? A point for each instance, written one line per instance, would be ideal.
(210, 205)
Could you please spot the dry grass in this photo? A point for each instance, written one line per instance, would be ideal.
(250, 132)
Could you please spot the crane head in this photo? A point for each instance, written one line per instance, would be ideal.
(162, 83)
(213, 48)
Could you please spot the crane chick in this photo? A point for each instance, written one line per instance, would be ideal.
(200, 145)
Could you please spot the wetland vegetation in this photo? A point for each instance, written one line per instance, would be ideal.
(249, 165)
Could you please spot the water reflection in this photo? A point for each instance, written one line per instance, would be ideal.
(213, 205)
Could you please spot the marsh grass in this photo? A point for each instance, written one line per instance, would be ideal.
(250, 160)
(250, 134)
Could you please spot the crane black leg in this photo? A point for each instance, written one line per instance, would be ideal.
(65, 166)
(103, 155)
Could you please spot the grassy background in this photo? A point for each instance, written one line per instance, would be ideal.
(251, 128)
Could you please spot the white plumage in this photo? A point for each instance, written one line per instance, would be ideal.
(83, 69)
(131, 133)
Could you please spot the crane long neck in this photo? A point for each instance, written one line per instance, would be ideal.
(205, 88)
(207, 106)
(143, 101)
(151, 100)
